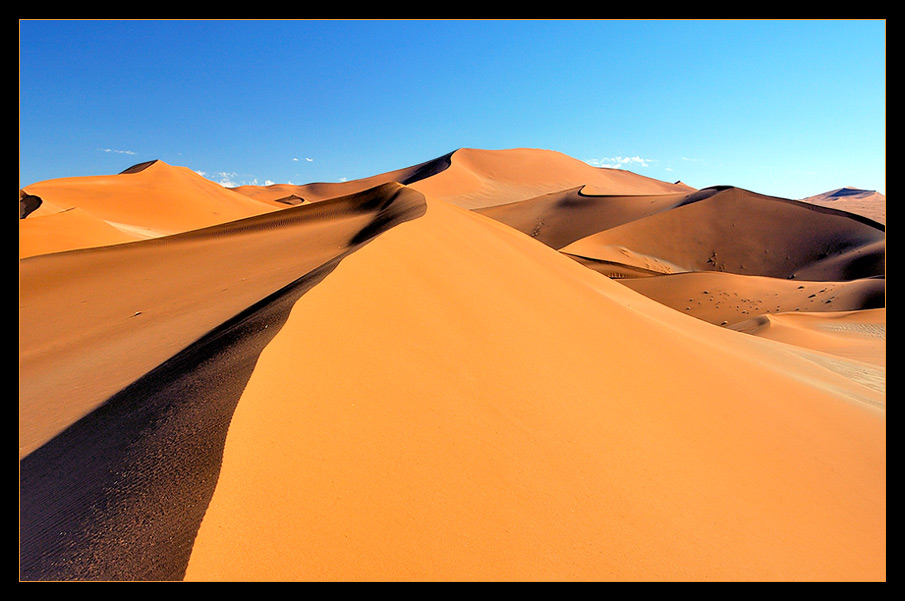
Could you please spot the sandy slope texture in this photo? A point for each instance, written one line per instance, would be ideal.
(729, 298)
(490, 409)
(856, 335)
(148, 200)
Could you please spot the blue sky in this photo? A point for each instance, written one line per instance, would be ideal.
(786, 108)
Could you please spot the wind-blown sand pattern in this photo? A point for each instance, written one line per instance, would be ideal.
(428, 375)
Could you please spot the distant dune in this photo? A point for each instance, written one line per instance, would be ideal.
(492, 366)
(868, 203)
(734, 230)
(149, 200)
(474, 178)
(560, 218)
(318, 191)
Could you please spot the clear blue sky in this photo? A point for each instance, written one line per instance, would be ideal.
(786, 108)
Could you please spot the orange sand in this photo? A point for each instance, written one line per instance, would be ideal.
(457, 399)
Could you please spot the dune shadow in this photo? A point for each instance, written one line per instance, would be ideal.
(121, 493)
(28, 203)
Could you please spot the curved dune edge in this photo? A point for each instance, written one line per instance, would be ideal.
(135, 305)
(118, 493)
(514, 432)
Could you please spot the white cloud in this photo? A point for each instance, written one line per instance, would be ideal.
(619, 162)
(117, 151)
(225, 178)
(231, 179)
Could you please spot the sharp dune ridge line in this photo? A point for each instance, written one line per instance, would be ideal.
(491, 366)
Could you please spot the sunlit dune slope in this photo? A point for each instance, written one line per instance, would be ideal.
(92, 321)
(737, 231)
(455, 401)
(146, 201)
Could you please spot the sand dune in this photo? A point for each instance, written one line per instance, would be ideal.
(483, 178)
(735, 230)
(475, 178)
(545, 437)
(418, 377)
(145, 201)
(868, 203)
(318, 191)
(134, 306)
(560, 218)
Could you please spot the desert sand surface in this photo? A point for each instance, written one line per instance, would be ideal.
(726, 298)
(848, 334)
(491, 366)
